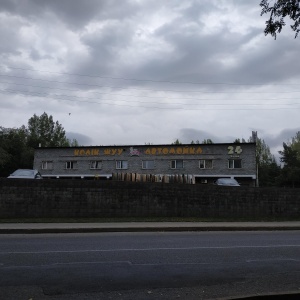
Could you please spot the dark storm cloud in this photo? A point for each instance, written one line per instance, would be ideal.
(194, 56)
(75, 14)
(268, 63)
(88, 51)
(104, 46)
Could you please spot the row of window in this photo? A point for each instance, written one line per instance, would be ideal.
(146, 164)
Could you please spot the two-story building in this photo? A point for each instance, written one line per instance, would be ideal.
(203, 162)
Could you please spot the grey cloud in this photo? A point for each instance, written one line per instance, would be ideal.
(10, 36)
(267, 64)
(163, 42)
(83, 140)
(186, 135)
(275, 141)
(284, 136)
(36, 55)
(75, 14)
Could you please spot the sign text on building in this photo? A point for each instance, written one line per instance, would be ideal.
(173, 150)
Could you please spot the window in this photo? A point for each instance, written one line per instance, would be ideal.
(71, 164)
(177, 164)
(121, 164)
(234, 163)
(47, 165)
(206, 164)
(96, 164)
(148, 164)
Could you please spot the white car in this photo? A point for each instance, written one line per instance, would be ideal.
(226, 182)
(26, 174)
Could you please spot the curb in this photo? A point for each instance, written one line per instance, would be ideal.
(144, 229)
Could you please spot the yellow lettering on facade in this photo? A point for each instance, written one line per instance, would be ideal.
(185, 150)
(95, 151)
(86, 152)
(106, 151)
(113, 151)
(179, 150)
(192, 150)
(172, 151)
(165, 150)
(120, 151)
(199, 150)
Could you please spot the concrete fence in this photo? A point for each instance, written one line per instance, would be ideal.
(97, 199)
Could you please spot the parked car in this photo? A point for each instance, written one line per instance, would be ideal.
(26, 174)
(226, 182)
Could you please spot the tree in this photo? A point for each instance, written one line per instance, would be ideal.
(207, 141)
(44, 131)
(177, 142)
(4, 156)
(290, 156)
(14, 152)
(17, 144)
(267, 167)
(237, 141)
(279, 10)
(295, 144)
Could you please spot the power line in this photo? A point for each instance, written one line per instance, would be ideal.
(116, 87)
(146, 80)
(163, 103)
(148, 107)
(144, 96)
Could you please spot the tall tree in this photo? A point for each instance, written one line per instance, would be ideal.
(4, 155)
(14, 152)
(17, 144)
(279, 10)
(42, 130)
(290, 156)
(267, 167)
(295, 144)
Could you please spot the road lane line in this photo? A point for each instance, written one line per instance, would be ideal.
(149, 249)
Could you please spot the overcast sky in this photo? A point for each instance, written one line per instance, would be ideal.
(132, 72)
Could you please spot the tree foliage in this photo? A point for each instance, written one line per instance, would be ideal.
(207, 141)
(290, 157)
(280, 10)
(177, 142)
(268, 169)
(14, 152)
(17, 144)
(42, 130)
(238, 141)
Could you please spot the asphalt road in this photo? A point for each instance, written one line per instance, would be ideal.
(149, 265)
